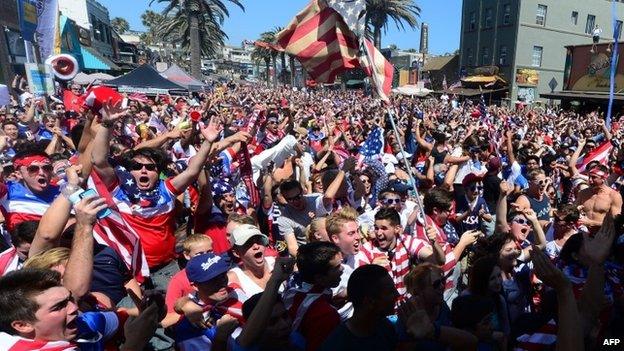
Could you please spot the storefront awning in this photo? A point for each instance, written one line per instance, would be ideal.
(571, 95)
(93, 60)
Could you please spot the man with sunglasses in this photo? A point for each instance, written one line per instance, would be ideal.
(535, 197)
(471, 209)
(145, 201)
(297, 214)
(29, 197)
(393, 196)
(565, 222)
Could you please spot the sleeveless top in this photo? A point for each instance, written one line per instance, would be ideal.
(541, 208)
(246, 283)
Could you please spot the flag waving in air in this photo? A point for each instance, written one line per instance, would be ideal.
(327, 38)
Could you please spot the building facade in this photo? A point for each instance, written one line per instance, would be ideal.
(93, 16)
(12, 50)
(526, 39)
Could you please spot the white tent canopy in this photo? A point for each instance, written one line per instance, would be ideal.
(412, 90)
(84, 79)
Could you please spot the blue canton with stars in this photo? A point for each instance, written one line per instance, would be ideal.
(148, 198)
(352, 12)
(373, 144)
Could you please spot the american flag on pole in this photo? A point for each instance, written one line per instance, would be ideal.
(444, 83)
(327, 38)
(114, 232)
(600, 153)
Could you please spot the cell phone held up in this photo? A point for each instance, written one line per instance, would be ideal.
(79, 195)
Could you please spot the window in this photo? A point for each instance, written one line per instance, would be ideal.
(591, 22)
(502, 55)
(536, 60)
(485, 59)
(618, 26)
(506, 14)
(473, 21)
(540, 17)
(487, 23)
(574, 18)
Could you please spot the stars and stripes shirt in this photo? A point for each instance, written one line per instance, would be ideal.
(154, 222)
(19, 204)
(407, 247)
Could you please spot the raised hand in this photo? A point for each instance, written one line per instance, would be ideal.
(212, 131)
(546, 271)
(415, 319)
(112, 111)
(599, 247)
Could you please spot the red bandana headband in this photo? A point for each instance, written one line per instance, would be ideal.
(598, 173)
(28, 160)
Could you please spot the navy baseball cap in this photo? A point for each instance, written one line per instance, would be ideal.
(397, 186)
(205, 267)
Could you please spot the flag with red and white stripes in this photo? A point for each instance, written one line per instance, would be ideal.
(600, 153)
(327, 38)
(544, 338)
(15, 343)
(9, 260)
(114, 232)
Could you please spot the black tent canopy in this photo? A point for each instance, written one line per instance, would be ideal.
(145, 79)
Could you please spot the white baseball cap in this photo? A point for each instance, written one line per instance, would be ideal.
(244, 232)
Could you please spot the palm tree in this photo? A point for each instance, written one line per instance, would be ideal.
(120, 25)
(379, 12)
(265, 54)
(190, 17)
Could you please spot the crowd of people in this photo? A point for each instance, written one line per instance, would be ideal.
(254, 218)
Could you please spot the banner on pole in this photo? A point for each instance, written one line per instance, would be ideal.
(47, 27)
(40, 79)
(27, 10)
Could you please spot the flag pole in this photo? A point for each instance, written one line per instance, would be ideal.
(409, 168)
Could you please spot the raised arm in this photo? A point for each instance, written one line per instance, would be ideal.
(55, 218)
(79, 268)
(259, 318)
(575, 156)
(501, 207)
(422, 142)
(100, 151)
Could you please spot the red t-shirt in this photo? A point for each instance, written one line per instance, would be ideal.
(216, 230)
(179, 286)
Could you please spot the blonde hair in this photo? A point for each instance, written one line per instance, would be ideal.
(314, 227)
(334, 222)
(48, 259)
(195, 239)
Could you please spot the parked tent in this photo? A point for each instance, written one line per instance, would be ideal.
(145, 79)
(178, 76)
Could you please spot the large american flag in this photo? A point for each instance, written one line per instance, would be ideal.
(115, 232)
(327, 38)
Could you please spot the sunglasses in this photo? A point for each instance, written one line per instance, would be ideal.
(365, 180)
(35, 169)
(137, 166)
(521, 221)
(294, 198)
(392, 201)
(476, 187)
(541, 182)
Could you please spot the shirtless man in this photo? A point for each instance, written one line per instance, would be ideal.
(598, 200)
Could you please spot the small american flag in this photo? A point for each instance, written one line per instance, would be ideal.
(8, 260)
(444, 84)
(373, 144)
(327, 38)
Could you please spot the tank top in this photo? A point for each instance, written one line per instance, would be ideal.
(541, 208)
(246, 283)
(438, 157)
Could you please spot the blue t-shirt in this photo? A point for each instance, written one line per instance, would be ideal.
(110, 273)
(472, 221)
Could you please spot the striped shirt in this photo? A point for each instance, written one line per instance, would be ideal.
(450, 261)
(407, 247)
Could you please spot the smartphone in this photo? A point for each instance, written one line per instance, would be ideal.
(88, 193)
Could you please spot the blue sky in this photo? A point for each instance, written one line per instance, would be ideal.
(443, 17)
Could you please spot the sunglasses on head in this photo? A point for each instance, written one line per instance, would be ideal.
(392, 201)
(137, 166)
(35, 168)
